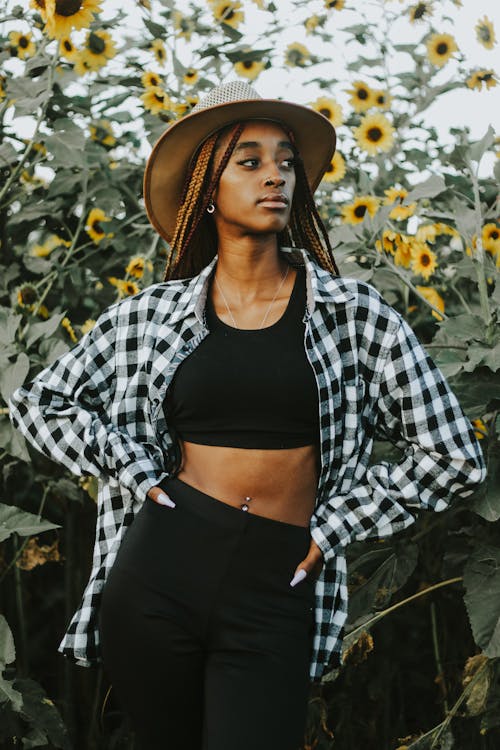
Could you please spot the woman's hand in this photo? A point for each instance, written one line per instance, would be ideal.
(159, 496)
(311, 565)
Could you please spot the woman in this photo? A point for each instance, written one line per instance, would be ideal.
(229, 413)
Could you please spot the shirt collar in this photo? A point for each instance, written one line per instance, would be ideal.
(321, 286)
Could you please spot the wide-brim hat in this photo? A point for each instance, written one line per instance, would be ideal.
(168, 163)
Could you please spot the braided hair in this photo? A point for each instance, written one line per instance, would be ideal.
(194, 242)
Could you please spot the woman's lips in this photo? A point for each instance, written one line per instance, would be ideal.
(279, 200)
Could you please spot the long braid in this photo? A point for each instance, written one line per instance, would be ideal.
(194, 242)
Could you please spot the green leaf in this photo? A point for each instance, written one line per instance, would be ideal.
(8, 694)
(428, 189)
(14, 375)
(464, 327)
(9, 323)
(65, 182)
(42, 713)
(7, 648)
(44, 328)
(488, 504)
(66, 144)
(28, 94)
(8, 154)
(482, 598)
(387, 578)
(13, 519)
(156, 30)
(476, 150)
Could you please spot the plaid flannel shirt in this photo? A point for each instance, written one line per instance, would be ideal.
(98, 411)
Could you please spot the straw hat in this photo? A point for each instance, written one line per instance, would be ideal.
(230, 102)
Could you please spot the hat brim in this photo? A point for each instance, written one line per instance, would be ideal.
(168, 162)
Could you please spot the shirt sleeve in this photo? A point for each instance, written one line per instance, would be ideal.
(442, 460)
(63, 413)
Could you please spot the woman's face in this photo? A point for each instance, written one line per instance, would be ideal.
(255, 190)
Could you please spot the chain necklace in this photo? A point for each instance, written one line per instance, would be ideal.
(268, 309)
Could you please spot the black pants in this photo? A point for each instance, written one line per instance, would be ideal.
(204, 641)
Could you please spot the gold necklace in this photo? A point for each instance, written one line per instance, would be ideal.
(268, 309)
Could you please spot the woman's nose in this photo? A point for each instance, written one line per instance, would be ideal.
(276, 179)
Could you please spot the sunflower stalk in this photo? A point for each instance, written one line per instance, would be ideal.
(479, 255)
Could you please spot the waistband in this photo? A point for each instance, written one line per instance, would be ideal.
(209, 507)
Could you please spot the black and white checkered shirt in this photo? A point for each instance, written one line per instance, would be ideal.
(98, 411)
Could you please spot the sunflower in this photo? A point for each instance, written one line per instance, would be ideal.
(403, 255)
(158, 48)
(88, 325)
(93, 226)
(420, 12)
(485, 33)
(61, 16)
(399, 212)
(124, 287)
(183, 25)
(21, 44)
(249, 68)
(374, 134)
(39, 5)
(388, 243)
(361, 96)
(50, 244)
(334, 4)
(476, 80)
(191, 76)
(67, 49)
(102, 132)
(491, 238)
(3, 81)
(311, 23)
(296, 55)
(354, 213)
(336, 170)
(99, 48)
(156, 100)
(440, 48)
(150, 79)
(330, 109)
(432, 296)
(82, 63)
(481, 430)
(423, 259)
(136, 266)
(228, 13)
(26, 295)
(381, 99)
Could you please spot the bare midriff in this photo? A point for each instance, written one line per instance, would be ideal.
(281, 483)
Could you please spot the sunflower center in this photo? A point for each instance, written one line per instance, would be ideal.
(67, 45)
(374, 134)
(420, 10)
(442, 48)
(96, 44)
(362, 94)
(485, 77)
(159, 97)
(67, 7)
(360, 211)
(484, 33)
(381, 99)
(97, 228)
(425, 260)
(227, 13)
(326, 112)
(494, 234)
(248, 64)
(40, 4)
(23, 42)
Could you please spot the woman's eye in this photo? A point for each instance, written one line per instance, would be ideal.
(246, 161)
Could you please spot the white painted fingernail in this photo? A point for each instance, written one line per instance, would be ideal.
(299, 576)
(165, 500)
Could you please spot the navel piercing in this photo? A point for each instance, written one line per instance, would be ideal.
(210, 208)
(244, 506)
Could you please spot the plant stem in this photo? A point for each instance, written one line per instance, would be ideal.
(437, 654)
(411, 598)
(21, 652)
(479, 255)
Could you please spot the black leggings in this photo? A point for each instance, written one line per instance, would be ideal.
(204, 641)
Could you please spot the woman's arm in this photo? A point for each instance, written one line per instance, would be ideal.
(62, 412)
(443, 459)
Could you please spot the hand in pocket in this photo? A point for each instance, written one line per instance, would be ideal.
(311, 565)
(160, 496)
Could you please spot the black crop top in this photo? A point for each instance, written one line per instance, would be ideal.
(248, 388)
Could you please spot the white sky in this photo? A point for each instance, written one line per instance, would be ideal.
(476, 109)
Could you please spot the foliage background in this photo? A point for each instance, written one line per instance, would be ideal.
(421, 658)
